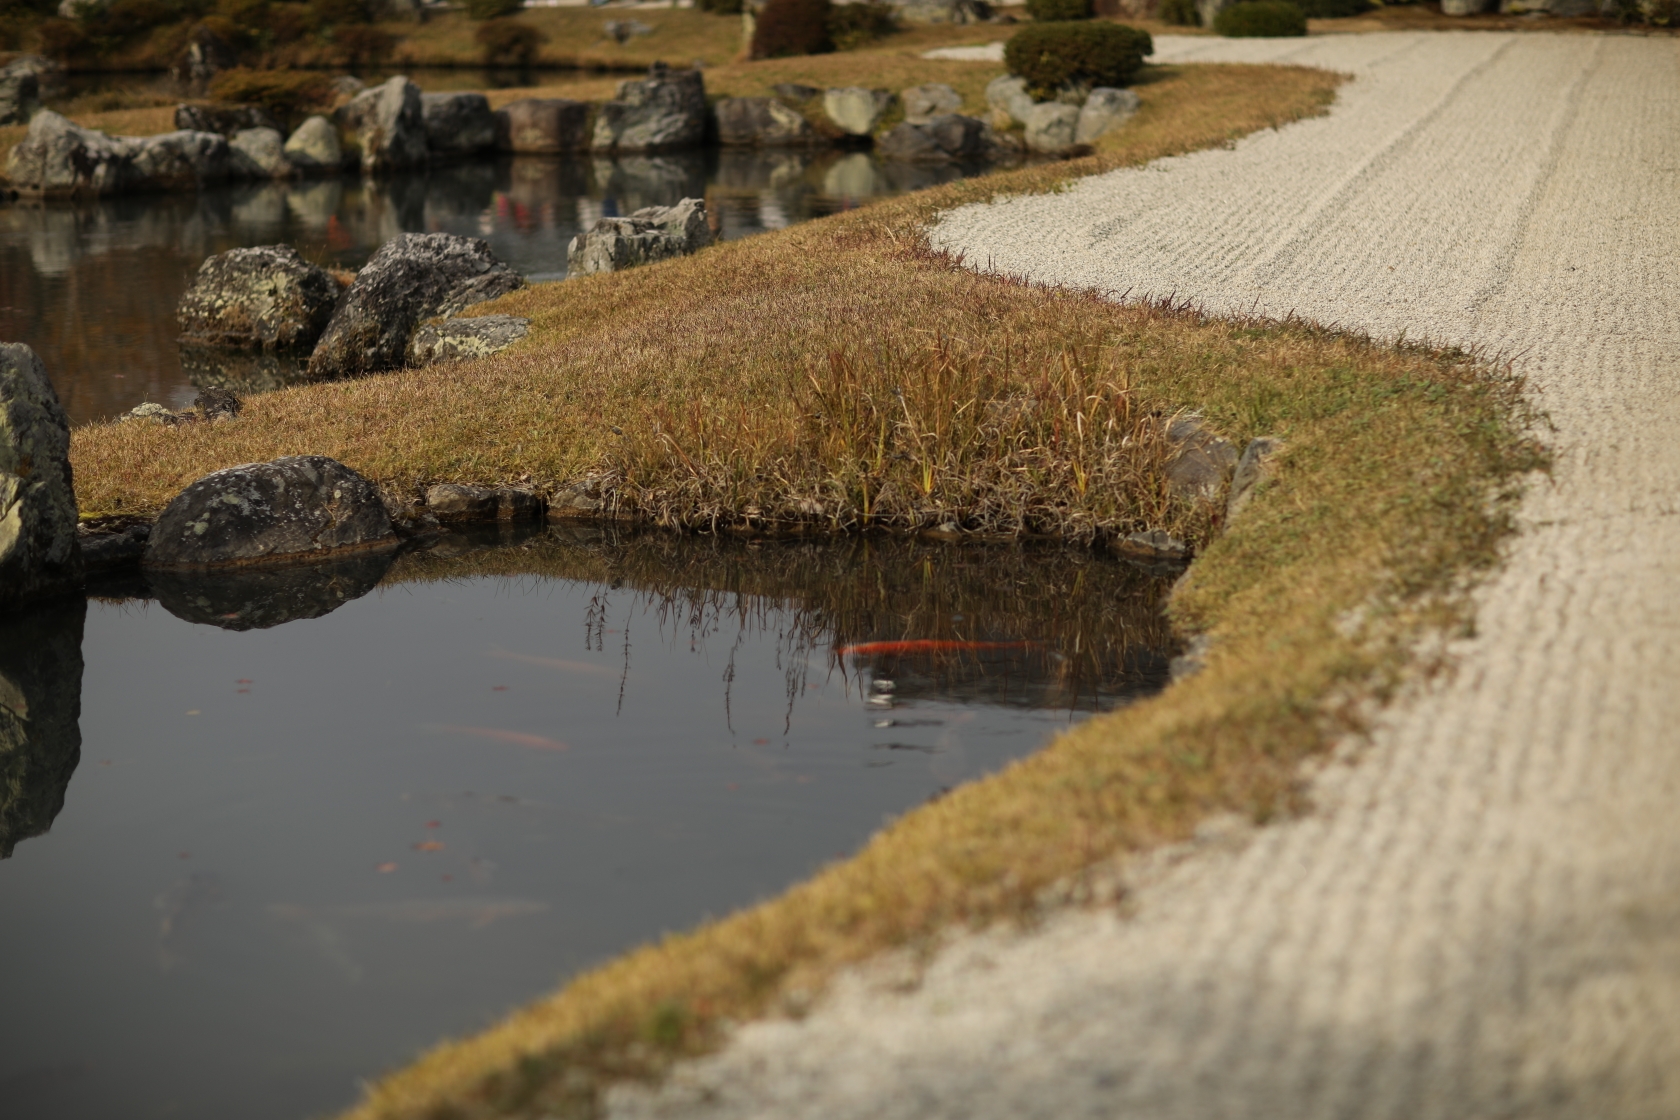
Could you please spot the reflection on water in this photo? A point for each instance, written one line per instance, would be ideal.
(40, 708)
(93, 286)
(294, 856)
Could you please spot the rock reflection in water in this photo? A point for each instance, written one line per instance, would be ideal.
(40, 717)
(93, 285)
(258, 598)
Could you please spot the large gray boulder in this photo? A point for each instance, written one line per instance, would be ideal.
(924, 102)
(458, 124)
(302, 507)
(386, 126)
(40, 716)
(264, 298)
(542, 125)
(665, 110)
(176, 161)
(20, 92)
(225, 119)
(653, 233)
(941, 140)
(314, 147)
(1103, 110)
(258, 153)
(413, 277)
(761, 122)
(60, 160)
(454, 340)
(1009, 100)
(39, 554)
(855, 110)
(1051, 127)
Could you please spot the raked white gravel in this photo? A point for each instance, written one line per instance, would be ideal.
(1481, 918)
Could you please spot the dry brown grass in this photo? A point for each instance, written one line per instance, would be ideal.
(1394, 490)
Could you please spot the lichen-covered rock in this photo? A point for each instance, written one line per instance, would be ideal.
(263, 298)
(258, 153)
(258, 598)
(940, 140)
(1051, 126)
(413, 277)
(855, 110)
(457, 339)
(20, 91)
(40, 716)
(302, 507)
(760, 122)
(387, 126)
(665, 110)
(653, 233)
(314, 146)
(934, 99)
(542, 125)
(1104, 109)
(457, 124)
(224, 119)
(39, 554)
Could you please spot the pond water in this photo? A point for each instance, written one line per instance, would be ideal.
(305, 823)
(93, 287)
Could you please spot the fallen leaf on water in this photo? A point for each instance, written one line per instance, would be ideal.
(429, 846)
(498, 688)
(386, 868)
(434, 824)
(518, 738)
(760, 742)
(195, 712)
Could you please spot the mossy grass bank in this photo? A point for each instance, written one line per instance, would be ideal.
(838, 373)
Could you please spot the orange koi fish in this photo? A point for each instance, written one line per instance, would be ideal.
(927, 645)
(517, 738)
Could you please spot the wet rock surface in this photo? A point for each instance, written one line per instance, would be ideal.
(39, 554)
(296, 508)
(665, 110)
(413, 277)
(40, 716)
(542, 125)
(1200, 461)
(456, 339)
(457, 124)
(761, 122)
(654, 233)
(109, 551)
(258, 598)
(264, 298)
(387, 126)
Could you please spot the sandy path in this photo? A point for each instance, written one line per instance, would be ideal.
(1482, 919)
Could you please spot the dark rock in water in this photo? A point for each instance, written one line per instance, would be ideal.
(452, 502)
(265, 298)
(40, 714)
(218, 404)
(39, 555)
(20, 91)
(939, 140)
(227, 120)
(653, 233)
(1199, 460)
(761, 122)
(299, 508)
(257, 598)
(457, 339)
(542, 125)
(111, 551)
(413, 277)
(389, 126)
(665, 110)
(458, 124)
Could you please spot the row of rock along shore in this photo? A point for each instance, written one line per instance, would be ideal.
(394, 127)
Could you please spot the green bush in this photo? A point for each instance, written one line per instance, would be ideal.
(720, 7)
(854, 25)
(1334, 9)
(507, 42)
(1051, 56)
(792, 27)
(492, 9)
(62, 39)
(1059, 11)
(1182, 13)
(1261, 19)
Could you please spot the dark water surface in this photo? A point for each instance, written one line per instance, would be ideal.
(93, 286)
(285, 856)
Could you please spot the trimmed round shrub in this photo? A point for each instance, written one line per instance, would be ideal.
(1182, 13)
(1052, 56)
(855, 25)
(792, 27)
(1261, 19)
(507, 42)
(1334, 9)
(1059, 11)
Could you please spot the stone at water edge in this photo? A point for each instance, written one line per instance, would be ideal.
(542, 125)
(457, 339)
(39, 554)
(452, 501)
(413, 277)
(855, 110)
(299, 508)
(258, 153)
(653, 233)
(1009, 100)
(262, 298)
(1051, 127)
(760, 122)
(227, 120)
(664, 111)
(458, 123)
(314, 146)
(924, 102)
(60, 159)
(387, 124)
(1104, 109)
(1199, 461)
(940, 140)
